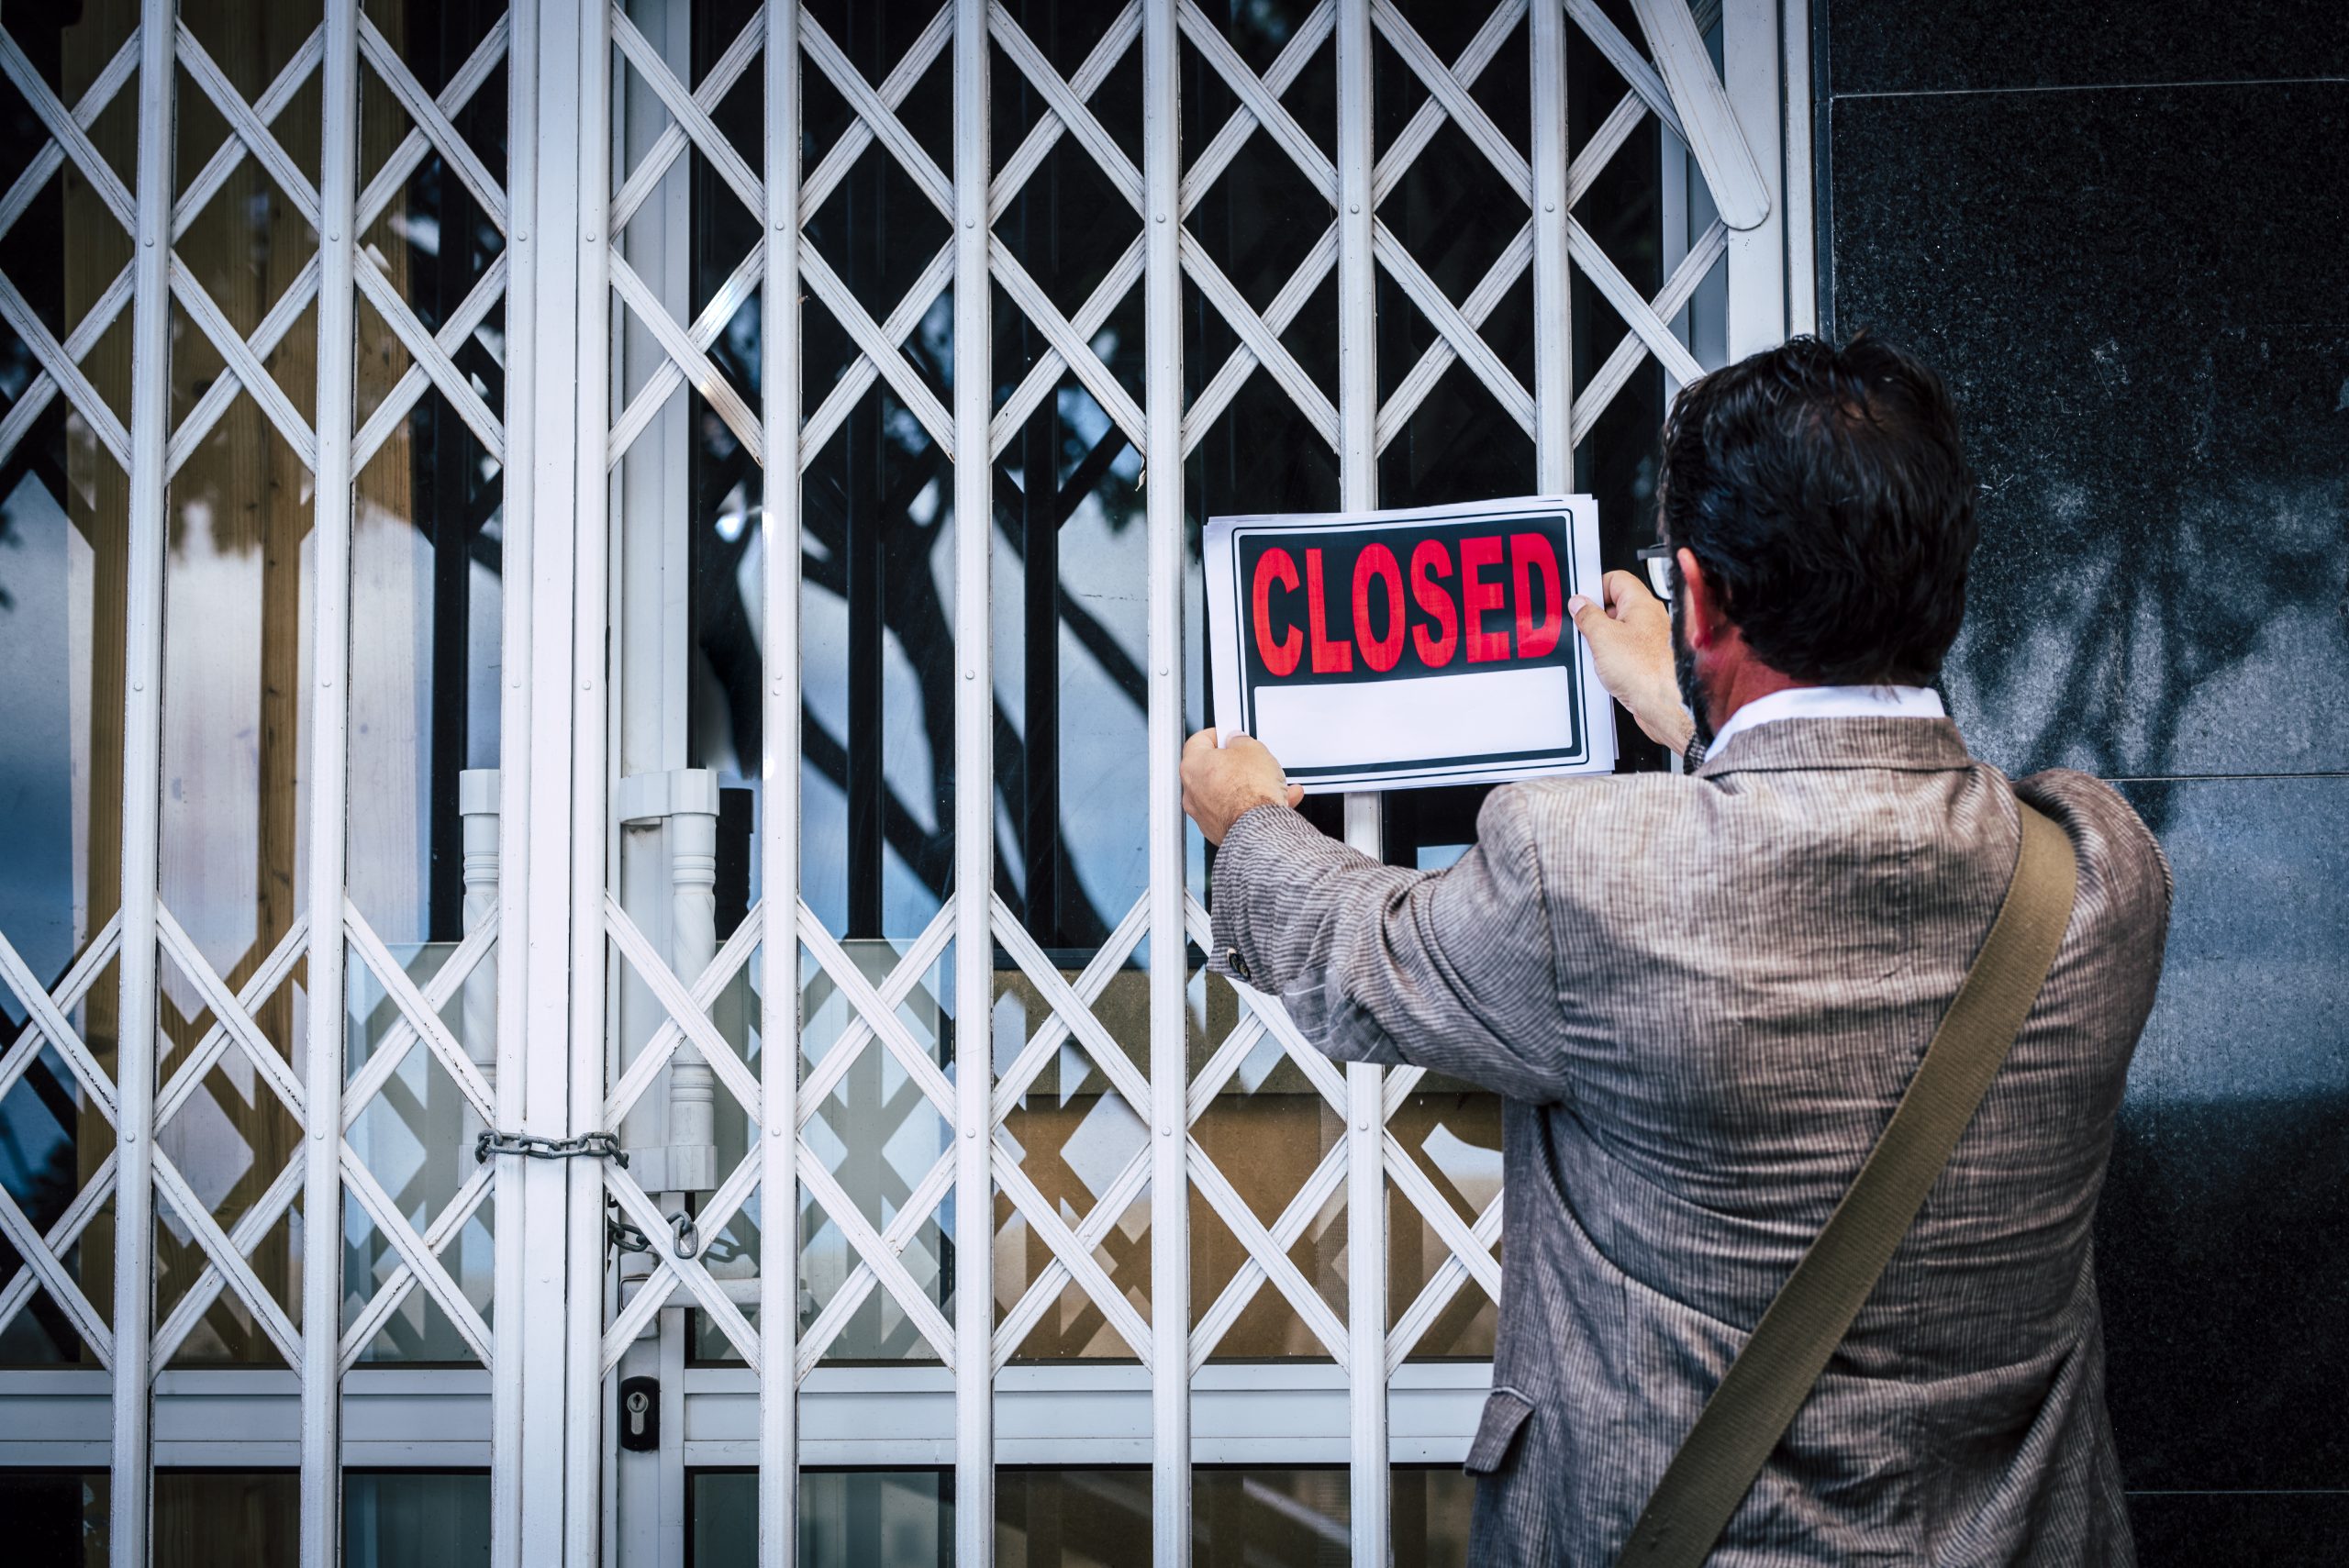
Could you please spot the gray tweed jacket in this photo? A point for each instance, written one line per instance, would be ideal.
(1702, 997)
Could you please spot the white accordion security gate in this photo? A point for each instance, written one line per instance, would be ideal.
(630, 340)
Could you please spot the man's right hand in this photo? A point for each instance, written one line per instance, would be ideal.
(1631, 643)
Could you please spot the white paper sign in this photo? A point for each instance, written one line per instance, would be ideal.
(1398, 650)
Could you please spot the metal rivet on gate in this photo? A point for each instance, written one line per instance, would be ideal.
(129, 1135)
(1165, 1129)
(970, 1132)
(776, 1133)
(1549, 206)
(1354, 207)
(318, 1132)
(591, 237)
(970, 674)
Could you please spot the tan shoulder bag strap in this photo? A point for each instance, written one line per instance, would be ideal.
(1744, 1420)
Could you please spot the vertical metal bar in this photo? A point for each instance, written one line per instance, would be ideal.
(1553, 317)
(536, 1004)
(1795, 197)
(591, 603)
(330, 712)
(779, 823)
(1170, 1209)
(974, 808)
(1757, 254)
(521, 835)
(142, 739)
(1358, 490)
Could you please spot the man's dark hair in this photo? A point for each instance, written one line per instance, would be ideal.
(1824, 492)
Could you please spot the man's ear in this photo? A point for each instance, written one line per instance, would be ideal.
(1699, 616)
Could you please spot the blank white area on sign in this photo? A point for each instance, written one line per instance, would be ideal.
(1359, 724)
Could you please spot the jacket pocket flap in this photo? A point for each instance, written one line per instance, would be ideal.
(1505, 1413)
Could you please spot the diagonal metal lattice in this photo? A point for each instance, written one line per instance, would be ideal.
(49, 1023)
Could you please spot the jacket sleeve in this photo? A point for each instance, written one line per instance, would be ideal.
(1453, 971)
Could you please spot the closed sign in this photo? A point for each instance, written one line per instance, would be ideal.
(1386, 650)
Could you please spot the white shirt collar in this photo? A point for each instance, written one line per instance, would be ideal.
(1832, 702)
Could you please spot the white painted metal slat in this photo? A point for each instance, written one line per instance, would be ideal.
(131, 1472)
(588, 1390)
(1708, 122)
(778, 973)
(1370, 1486)
(321, 1360)
(974, 805)
(517, 1470)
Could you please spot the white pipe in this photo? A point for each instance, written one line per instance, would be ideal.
(974, 807)
(134, 1258)
(321, 1483)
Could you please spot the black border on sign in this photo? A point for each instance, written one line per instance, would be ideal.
(1448, 769)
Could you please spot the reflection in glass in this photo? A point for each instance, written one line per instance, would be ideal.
(1093, 1518)
(251, 1518)
(1277, 1139)
(881, 1139)
(427, 610)
(1452, 1133)
(1081, 1145)
(415, 1519)
(877, 608)
(56, 1517)
(848, 1518)
(238, 596)
(63, 571)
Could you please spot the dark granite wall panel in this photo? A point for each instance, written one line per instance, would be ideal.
(2116, 229)
(2241, 1529)
(2142, 299)
(1926, 45)
(2220, 1244)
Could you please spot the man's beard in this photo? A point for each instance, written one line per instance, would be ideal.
(1684, 671)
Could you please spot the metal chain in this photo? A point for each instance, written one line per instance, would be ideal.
(619, 1234)
(530, 1146)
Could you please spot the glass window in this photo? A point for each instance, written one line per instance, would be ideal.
(64, 562)
(426, 615)
(55, 1519)
(251, 1518)
(1091, 1517)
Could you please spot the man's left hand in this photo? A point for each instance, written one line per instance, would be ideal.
(1221, 782)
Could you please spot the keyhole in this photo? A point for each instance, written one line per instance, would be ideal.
(636, 1406)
